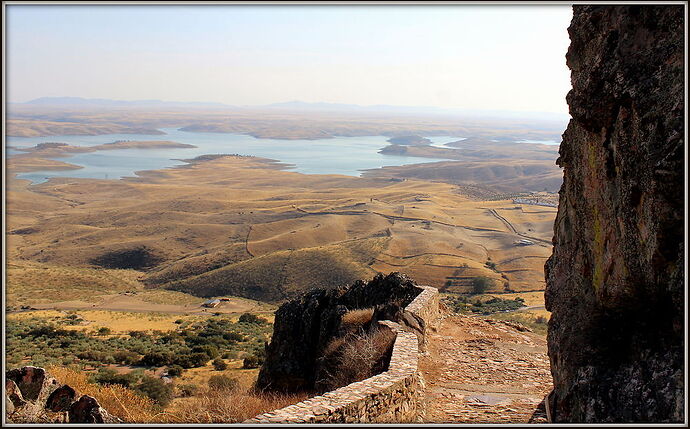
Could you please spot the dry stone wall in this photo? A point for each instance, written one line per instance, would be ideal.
(392, 396)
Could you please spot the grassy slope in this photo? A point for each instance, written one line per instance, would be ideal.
(33, 283)
(239, 226)
(282, 274)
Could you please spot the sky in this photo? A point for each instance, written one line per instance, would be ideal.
(452, 56)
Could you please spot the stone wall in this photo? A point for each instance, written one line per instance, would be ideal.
(389, 397)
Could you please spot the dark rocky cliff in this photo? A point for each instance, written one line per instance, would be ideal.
(615, 281)
(297, 358)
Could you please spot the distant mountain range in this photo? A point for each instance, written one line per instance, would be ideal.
(104, 102)
(415, 110)
(297, 106)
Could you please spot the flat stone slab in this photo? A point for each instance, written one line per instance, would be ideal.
(488, 399)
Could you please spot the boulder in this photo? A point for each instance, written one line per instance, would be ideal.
(88, 410)
(61, 399)
(33, 382)
(32, 396)
(13, 395)
(304, 326)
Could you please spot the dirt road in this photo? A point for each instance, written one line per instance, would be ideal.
(483, 371)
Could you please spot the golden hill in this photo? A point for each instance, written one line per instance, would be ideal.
(241, 226)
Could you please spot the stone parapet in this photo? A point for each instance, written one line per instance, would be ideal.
(390, 397)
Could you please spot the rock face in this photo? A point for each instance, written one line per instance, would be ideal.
(32, 396)
(305, 326)
(615, 280)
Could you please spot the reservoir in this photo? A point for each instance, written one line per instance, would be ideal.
(339, 155)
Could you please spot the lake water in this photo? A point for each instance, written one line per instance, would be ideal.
(339, 155)
(546, 142)
(442, 141)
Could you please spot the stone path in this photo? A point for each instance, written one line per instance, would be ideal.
(484, 371)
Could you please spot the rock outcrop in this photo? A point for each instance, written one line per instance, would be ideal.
(32, 396)
(304, 327)
(615, 280)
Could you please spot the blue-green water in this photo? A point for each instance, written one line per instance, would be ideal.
(340, 155)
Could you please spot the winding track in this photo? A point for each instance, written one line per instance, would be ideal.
(512, 228)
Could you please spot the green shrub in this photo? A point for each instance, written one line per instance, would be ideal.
(175, 371)
(155, 389)
(110, 376)
(491, 265)
(461, 304)
(187, 390)
(252, 361)
(104, 331)
(222, 382)
(192, 360)
(233, 336)
(126, 357)
(210, 350)
(48, 344)
(219, 364)
(251, 318)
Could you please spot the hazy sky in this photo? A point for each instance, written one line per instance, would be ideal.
(482, 57)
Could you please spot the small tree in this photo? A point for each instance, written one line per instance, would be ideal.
(491, 265)
(155, 389)
(157, 359)
(104, 331)
(481, 285)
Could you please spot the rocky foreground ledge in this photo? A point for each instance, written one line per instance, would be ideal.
(33, 396)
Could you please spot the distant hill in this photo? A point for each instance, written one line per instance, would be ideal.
(416, 110)
(301, 106)
(104, 102)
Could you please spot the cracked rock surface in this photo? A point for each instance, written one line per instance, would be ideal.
(614, 283)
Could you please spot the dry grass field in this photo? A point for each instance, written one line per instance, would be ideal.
(239, 226)
(119, 322)
(33, 120)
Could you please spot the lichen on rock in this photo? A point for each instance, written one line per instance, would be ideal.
(615, 280)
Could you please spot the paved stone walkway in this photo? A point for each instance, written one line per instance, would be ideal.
(483, 371)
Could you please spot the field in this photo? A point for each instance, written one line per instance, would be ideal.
(239, 226)
(33, 120)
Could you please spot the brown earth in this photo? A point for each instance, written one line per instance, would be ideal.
(240, 226)
(33, 120)
(482, 370)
